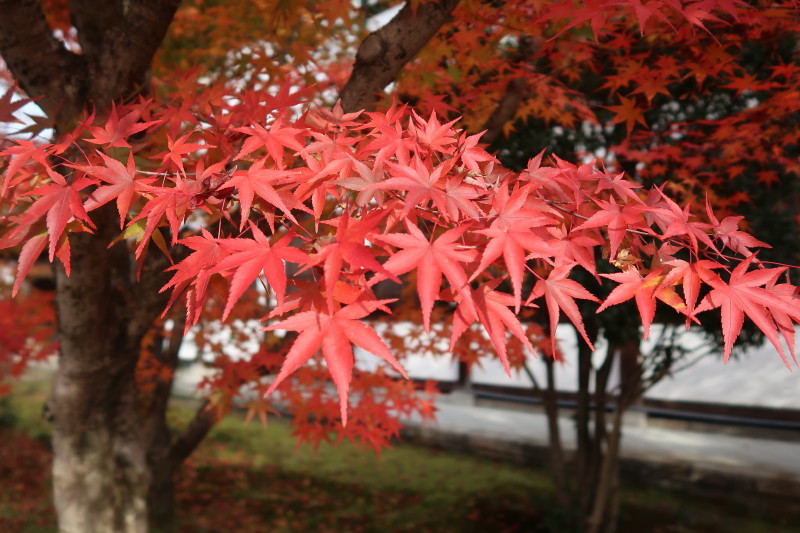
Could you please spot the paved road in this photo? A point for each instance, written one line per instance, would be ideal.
(715, 452)
(749, 457)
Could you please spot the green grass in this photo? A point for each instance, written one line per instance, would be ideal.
(23, 409)
(246, 478)
(408, 468)
(345, 488)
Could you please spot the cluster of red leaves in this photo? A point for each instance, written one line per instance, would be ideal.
(641, 52)
(707, 92)
(27, 333)
(26, 477)
(322, 206)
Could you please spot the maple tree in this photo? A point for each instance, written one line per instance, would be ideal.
(171, 199)
(674, 148)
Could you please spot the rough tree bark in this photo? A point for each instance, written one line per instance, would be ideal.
(100, 474)
(100, 470)
(384, 53)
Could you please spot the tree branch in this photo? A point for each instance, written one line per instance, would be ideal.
(516, 91)
(147, 303)
(154, 423)
(385, 52)
(44, 68)
(505, 110)
(167, 356)
(193, 434)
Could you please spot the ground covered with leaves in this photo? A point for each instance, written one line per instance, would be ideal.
(258, 480)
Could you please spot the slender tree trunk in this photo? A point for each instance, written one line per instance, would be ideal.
(586, 456)
(558, 462)
(599, 520)
(165, 455)
(161, 507)
(161, 491)
(599, 432)
(604, 504)
(158, 436)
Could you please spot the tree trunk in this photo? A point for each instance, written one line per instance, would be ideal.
(558, 462)
(586, 454)
(600, 519)
(161, 491)
(114, 456)
(100, 473)
(162, 464)
(604, 513)
(107, 454)
(100, 468)
(100, 476)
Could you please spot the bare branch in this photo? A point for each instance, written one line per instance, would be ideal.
(167, 356)
(385, 52)
(147, 303)
(516, 90)
(193, 434)
(505, 110)
(531, 377)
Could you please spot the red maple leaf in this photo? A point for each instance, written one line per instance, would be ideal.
(59, 201)
(433, 134)
(274, 140)
(677, 222)
(24, 151)
(744, 295)
(728, 233)
(176, 149)
(559, 292)
(491, 309)
(195, 270)
(348, 246)
(471, 154)
(690, 276)
(431, 258)
(419, 182)
(511, 236)
(30, 252)
(363, 182)
(644, 290)
(335, 333)
(616, 221)
(123, 184)
(250, 257)
(8, 108)
(116, 130)
(628, 113)
(574, 247)
(167, 202)
(261, 181)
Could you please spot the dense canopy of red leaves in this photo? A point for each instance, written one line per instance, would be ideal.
(321, 206)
